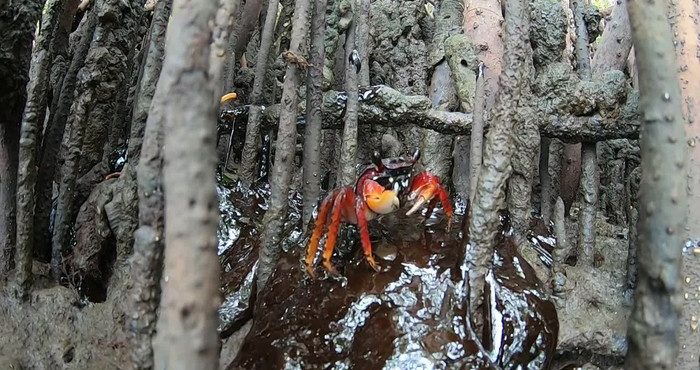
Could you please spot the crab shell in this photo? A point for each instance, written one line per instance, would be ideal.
(391, 173)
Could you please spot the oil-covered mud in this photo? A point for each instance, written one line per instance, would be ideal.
(410, 315)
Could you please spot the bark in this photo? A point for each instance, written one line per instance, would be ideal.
(632, 190)
(118, 81)
(684, 17)
(116, 37)
(106, 69)
(589, 167)
(339, 17)
(526, 146)
(446, 81)
(570, 174)
(362, 40)
(477, 135)
(526, 135)
(385, 106)
(654, 321)
(561, 250)
(284, 156)
(219, 47)
(72, 142)
(348, 147)
(436, 147)
(232, 57)
(54, 135)
(30, 137)
(612, 53)
(252, 133)
(146, 262)
(482, 23)
(589, 192)
(546, 191)
(548, 36)
(461, 58)
(556, 154)
(51, 136)
(187, 332)
(148, 79)
(490, 194)
(244, 29)
(18, 22)
(613, 50)
(314, 103)
(526, 141)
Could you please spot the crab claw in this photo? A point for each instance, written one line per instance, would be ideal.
(424, 188)
(380, 200)
(228, 97)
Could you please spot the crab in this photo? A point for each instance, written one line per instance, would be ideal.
(376, 192)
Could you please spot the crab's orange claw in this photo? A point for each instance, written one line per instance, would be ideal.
(228, 97)
(424, 188)
(378, 199)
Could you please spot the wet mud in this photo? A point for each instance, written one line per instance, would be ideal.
(410, 315)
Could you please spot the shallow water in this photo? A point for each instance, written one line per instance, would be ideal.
(411, 315)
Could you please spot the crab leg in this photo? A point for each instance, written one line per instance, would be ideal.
(446, 204)
(333, 230)
(361, 212)
(320, 224)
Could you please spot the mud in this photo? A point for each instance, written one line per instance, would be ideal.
(410, 315)
(411, 312)
(59, 330)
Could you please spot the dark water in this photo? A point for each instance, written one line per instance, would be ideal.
(411, 315)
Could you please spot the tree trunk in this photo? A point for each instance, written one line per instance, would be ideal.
(243, 30)
(490, 194)
(546, 191)
(49, 158)
(32, 127)
(106, 69)
(589, 192)
(348, 148)
(611, 54)
(72, 143)
(362, 40)
(252, 133)
(482, 23)
(17, 22)
(187, 335)
(562, 248)
(147, 260)
(219, 47)
(614, 49)
(684, 17)
(284, 151)
(654, 322)
(314, 103)
(589, 179)
(445, 82)
(476, 146)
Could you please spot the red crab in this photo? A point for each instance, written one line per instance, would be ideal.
(375, 193)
